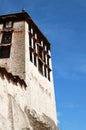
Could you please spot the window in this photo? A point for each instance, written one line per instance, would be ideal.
(44, 58)
(29, 28)
(35, 36)
(8, 24)
(45, 71)
(5, 51)
(40, 66)
(34, 44)
(42, 43)
(35, 62)
(47, 60)
(31, 57)
(30, 42)
(33, 33)
(49, 75)
(40, 51)
(7, 37)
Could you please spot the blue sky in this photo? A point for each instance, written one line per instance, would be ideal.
(64, 24)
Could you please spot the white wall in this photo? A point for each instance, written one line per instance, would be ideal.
(41, 90)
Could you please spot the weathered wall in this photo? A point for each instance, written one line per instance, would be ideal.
(12, 102)
(14, 111)
(41, 90)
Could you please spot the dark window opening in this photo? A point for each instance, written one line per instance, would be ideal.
(7, 37)
(30, 28)
(31, 57)
(40, 67)
(47, 48)
(43, 45)
(48, 61)
(40, 51)
(34, 45)
(39, 40)
(5, 51)
(44, 58)
(45, 71)
(35, 62)
(30, 42)
(48, 75)
(33, 32)
(8, 24)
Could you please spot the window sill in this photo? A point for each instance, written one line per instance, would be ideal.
(4, 44)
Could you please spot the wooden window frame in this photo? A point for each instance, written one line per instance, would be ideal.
(8, 24)
(6, 38)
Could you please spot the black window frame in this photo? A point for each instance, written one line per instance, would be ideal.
(6, 38)
(8, 26)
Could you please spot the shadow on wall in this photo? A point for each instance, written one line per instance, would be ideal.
(40, 122)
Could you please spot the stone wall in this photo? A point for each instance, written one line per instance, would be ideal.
(12, 102)
(14, 111)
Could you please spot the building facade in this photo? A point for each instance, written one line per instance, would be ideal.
(26, 76)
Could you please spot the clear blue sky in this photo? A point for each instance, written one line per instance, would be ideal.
(64, 24)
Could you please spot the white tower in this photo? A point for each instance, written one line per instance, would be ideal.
(25, 52)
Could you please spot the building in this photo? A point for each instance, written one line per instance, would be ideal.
(26, 81)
